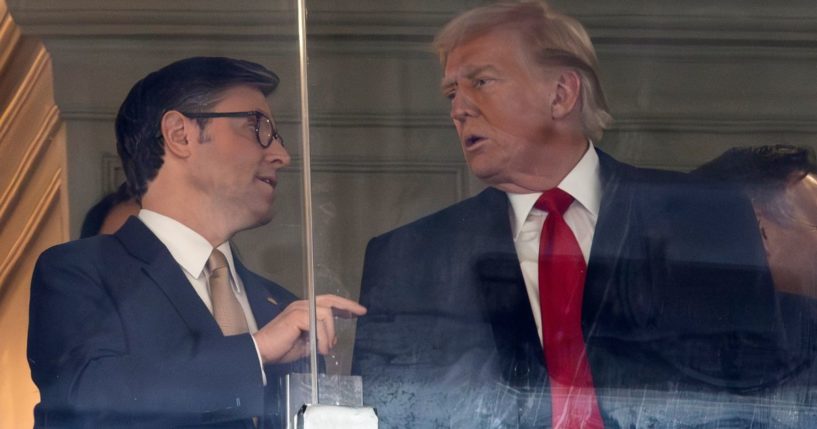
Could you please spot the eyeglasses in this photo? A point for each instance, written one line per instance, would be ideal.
(265, 131)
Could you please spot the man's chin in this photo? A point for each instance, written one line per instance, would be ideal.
(264, 219)
(488, 176)
(257, 220)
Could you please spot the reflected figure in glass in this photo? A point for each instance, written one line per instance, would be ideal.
(781, 181)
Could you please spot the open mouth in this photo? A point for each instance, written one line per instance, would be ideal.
(473, 140)
(269, 181)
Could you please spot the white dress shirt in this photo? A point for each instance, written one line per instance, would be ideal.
(191, 251)
(583, 183)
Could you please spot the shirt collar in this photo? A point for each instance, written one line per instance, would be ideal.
(188, 248)
(583, 183)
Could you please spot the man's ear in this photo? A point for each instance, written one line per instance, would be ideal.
(566, 95)
(175, 129)
(762, 225)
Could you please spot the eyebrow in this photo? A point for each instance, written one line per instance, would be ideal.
(265, 114)
(261, 111)
(469, 74)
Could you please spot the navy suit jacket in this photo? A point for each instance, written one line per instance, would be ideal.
(677, 300)
(119, 338)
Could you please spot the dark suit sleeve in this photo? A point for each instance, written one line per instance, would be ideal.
(86, 361)
(678, 289)
(395, 345)
(425, 348)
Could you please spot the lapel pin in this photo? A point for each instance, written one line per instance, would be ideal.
(272, 300)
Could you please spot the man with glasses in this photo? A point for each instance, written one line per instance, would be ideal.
(159, 325)
(576, 291)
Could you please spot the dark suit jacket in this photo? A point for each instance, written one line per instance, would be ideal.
(119, 338)
(677, 300)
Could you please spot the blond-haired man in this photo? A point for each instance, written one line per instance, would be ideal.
(574, 281)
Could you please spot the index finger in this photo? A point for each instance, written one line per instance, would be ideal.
(340, 306)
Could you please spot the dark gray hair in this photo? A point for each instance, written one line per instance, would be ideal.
(763, 172)
(189, 85)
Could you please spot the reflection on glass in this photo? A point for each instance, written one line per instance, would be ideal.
(781, 181)
(690, 305)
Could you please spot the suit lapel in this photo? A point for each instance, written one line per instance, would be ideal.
(615, 210)
(616, 215)
(163, 271)
(264, 303)
(504, 293)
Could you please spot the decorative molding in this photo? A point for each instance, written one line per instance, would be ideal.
(457, 169)
(164, 45)
(112, 173)
(31, 228)
(703, 53)
(430, 120)
(80, 113)
(612, 28)
(112, 170)
(27, 164)
(22, 94)
(714, 125)
(743, 45)
(9, 37)
(76, 113)
(388, 25)
(703, 30)
(162, 20)
(738, 47)
(608, 24)
(318, 119)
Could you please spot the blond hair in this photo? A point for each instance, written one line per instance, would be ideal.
(553, 39)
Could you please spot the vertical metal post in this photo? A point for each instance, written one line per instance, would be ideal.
(309, 251)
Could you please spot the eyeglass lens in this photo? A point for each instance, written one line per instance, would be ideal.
(266, 133)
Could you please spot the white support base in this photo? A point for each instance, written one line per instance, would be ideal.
(336, 417)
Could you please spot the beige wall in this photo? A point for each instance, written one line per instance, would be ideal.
(33, 203)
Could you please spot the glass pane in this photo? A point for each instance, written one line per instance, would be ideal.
(679, 318)
(697, 291)
(134, 344)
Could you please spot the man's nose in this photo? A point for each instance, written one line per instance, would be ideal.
(462, 106)
(277, 154)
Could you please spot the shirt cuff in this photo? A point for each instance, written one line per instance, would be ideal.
(260, 362)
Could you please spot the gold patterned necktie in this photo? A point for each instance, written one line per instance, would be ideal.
(226, 309)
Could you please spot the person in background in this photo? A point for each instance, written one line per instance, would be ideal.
(159, 324)
(781, 181)
(110, 213)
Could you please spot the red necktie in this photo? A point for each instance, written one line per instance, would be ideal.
(561, 283)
